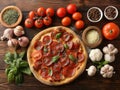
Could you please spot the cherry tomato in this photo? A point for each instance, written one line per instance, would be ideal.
(66, 21)
(28, 23)
(50, 12)
(39, 23)
(77, 16)
(31, 14)
(111, 31)
(71, 8)
(41, 11)
(79, 24)
(47, 20)
(61, 12)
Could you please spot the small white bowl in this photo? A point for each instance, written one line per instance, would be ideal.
(109, 18)
(101, 14)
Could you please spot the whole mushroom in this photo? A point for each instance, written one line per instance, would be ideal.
(23, 41)
(19, 31)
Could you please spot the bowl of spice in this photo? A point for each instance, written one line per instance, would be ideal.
(94, 14)
(10, 16)
(111, 12)
(92, 36)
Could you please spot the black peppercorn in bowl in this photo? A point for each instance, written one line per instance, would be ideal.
(10, 16)
(94, 14)
(111, 12)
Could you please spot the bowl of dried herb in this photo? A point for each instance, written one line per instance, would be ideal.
(10, 16)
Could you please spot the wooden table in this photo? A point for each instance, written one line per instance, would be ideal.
(82, 82)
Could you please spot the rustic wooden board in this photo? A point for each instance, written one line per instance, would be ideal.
(83, 82)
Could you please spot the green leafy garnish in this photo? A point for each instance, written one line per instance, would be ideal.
(16, 67)
(100, 63)
(71, 57)
(45, 49)
(66, 46)
(50, 72)
(55, 58)
(58, 35)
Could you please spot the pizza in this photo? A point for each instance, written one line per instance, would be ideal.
(56, 56)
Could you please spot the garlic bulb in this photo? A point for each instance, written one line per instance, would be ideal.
(95, 55)
(23, 41)
(8, 34)
(109, 58)
(19, 31)
(12, 43)
(107, 71)
(91, 70)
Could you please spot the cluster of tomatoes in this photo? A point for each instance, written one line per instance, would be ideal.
(76, 16)
(40, 17)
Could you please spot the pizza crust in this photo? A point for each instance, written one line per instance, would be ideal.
(67, 80)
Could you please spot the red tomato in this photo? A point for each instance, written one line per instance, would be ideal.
(61, 12)
(31, 14)
(77, 16)
(41, 11)
(71, 8)
(39, 23)
(50, 12)
(79, 24)
(47, 20)
(111, 31)
(28, 23)
(66, 21)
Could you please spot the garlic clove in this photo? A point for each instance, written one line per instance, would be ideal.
(115, 51)
(109, 58)
(12, 43)
(91, 70)
(111, 47)
(105, 50)
(23, 41)
(19, 31)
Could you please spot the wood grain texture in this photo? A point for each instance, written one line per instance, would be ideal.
(81, 83)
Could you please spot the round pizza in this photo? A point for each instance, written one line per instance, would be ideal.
(56, 56)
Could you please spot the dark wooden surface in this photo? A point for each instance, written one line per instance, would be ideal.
(83, 82)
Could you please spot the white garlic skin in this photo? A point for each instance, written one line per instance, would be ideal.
(19, 31)
(23, 41)
(95, 55)
(109, 58)
(107, 71)
(8, 34)
(12, 43)
(91, 70)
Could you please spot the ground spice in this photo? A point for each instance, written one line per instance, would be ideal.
(10, 16)
(110, 12)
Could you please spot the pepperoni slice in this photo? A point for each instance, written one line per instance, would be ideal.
(44, 73)
(46, 51)
(64, 60)
(76, 46)
(36, 55)
(37, 65)
(56, 76)
(60, 47)
(56, 67)
(70, 44)
(80, 57)
(47, 40)
(67, 36)
(69, 70)
(47, 61)
(38, 45)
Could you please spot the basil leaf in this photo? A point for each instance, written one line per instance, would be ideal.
(21, 55)
(19, 78)
(23, 64)
(15, 55)
(55, 58)
(9, 57)
(11, 77)
(66, 46)
(45, 49)
(13, 70)
(26, 71)
(58, 35)
(71, 57)
(50, 72)
(7, 70)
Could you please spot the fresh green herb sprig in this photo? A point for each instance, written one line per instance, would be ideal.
(16, 67)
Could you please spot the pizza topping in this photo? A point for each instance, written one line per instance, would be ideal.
(76, 45)
(46, 51)
(60, 47)
(58, 35)
(70, 44)
(80, 57)
(66, 46)
(72, 58)
(47, 40)
(67, 36)
(55, 58)
(47, 61)
(45, 73)
(37, 64)
(64, 61)
(50, 72)
(38, 45)
(56, 76)
(37, 55)
(56, 67)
